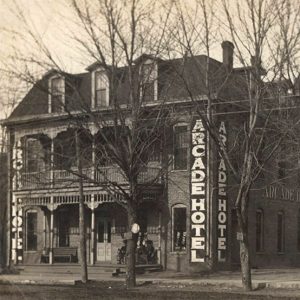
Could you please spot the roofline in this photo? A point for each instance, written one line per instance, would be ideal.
(61, 116)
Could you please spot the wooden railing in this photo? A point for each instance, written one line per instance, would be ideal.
(69, 178)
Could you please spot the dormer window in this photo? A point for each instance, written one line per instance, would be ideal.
(101, 90)
(149, 82)
(57, 94)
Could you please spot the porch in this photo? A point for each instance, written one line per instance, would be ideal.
(48, 230)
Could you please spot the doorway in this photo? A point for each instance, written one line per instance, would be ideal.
(103, 239)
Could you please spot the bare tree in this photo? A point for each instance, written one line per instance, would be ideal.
(254, 29)
(115, 34)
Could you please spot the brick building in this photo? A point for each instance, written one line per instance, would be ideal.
(186, 226)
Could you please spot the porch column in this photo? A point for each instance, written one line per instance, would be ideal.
(92, 206)
(93, 237)
(44, 229)
(51, 237)
(159, 239)
(52, 162)
(51, 207)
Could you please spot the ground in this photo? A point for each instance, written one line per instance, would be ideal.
(148, 290)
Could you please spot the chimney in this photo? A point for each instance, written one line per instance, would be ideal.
(228, 55)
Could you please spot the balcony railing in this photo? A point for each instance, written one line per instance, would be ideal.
(65, 178)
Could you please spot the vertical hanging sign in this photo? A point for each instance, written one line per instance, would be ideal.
(198, 192)
(222, 201)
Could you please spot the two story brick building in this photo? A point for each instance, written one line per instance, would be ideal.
(186, 225)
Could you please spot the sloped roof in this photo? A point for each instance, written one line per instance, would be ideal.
(173, 75)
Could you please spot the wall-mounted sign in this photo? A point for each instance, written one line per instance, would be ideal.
(198, 192)
(222, 201)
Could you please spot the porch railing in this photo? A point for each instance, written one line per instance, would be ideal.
(69, 178)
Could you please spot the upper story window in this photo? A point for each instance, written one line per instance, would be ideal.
(35, 159)
(101, 90)
(148, 82)
(57, 95)
(181, 147)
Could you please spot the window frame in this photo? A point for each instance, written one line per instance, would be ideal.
(176, 206)
(102, 73)
(59, 93)
(149, 79)
(262, 235)
(35, 232)
(187, 148)
(281, 238)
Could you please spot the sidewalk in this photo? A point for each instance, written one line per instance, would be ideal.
(271, 278)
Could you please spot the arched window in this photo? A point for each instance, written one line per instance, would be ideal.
(179, 218)
(31, 230)
(259, 230)
(280, 232)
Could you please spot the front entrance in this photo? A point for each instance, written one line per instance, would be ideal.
(103, 239)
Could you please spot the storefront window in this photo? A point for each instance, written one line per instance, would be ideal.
(179, 228)
(31, 227)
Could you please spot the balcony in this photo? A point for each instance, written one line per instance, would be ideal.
(64, 179)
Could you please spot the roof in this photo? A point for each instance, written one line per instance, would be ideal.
(173, 75)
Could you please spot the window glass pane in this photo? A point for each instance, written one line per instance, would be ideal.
(108, 232)
(180, 147)
(31, 231)
(34, 156)
(100, 229)
(100, 98)
(101, 85)
(57, 86)
(179, 228)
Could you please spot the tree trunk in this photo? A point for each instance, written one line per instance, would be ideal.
(130, 250)
(242, 216)
(245, 263)
(82, 234)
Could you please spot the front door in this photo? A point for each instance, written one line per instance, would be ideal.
(103, 239)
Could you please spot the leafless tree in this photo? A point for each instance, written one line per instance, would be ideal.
(257, 30)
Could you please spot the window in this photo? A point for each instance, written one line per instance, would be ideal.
(280, 232)
(259, 231)
(179, 228)
(64, 229)
(180, 148)
(148, 82)
(34, 155)
(101, 89)
(57, 94)
(31, 230)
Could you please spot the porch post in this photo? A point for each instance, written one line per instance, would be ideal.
(159, 239)
(92, 206)
(51, 234)
(51, 238)
(93, 237)
(44, 229)
(52, 162)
